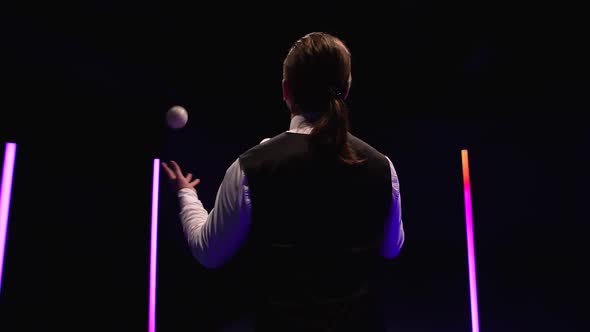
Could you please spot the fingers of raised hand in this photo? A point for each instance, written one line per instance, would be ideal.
(169, 172)
(176, 169)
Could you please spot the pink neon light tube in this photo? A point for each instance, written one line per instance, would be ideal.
(5, 190)
(470, 242)
(154, 248)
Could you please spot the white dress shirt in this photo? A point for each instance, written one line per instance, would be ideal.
(216, 236)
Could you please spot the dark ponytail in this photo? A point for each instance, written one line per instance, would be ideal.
(330, 131)
(317, 74)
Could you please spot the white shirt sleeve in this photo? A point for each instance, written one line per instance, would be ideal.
(215, 237)
(394, 228)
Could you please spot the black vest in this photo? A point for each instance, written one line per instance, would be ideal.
(317, 222)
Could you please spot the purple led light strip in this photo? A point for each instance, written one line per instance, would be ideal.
(5, 189)
(154, 248)
(470, 242)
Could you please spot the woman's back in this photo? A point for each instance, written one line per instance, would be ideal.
(317, 228)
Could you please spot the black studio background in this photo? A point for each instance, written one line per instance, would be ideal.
(84, 92)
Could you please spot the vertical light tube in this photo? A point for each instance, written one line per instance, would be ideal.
(470, 241)
(5, 191)
(154, 248)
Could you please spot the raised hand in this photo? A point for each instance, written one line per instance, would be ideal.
(177, 179)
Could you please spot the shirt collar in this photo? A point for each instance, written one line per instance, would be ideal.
(300, 125)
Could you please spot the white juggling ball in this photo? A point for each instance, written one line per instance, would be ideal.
(176, 117)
